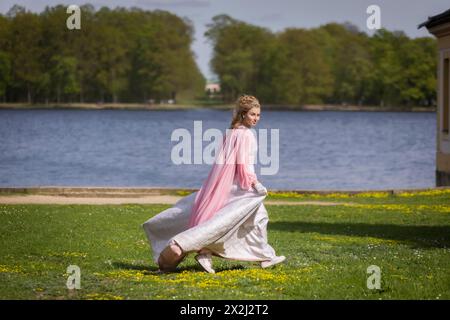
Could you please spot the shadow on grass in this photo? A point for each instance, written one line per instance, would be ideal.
(155, 270)
(137, 267)
(421, 236)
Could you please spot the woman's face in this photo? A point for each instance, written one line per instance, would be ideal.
(251, 118)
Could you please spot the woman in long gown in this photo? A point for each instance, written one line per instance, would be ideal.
(226, 217)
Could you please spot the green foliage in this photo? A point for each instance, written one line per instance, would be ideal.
(126, 55)
(240, 54)
(132, 55)
(335, 63)
(5, 72)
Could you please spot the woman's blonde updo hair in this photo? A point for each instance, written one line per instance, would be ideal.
(243, 104)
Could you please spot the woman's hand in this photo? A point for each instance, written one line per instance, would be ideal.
(260, 188)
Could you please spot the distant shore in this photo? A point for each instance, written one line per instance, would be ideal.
(169, 107)
(90, 191)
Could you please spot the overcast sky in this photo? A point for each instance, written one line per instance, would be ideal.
(276, 15)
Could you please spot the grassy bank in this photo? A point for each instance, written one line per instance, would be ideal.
(109, 106)
(328, 251)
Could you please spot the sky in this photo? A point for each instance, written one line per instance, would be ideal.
(276, 15)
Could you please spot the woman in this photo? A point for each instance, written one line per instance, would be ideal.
(226, 217)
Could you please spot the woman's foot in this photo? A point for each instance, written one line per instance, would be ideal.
(205, 260)
(274, 261)
(170, 257)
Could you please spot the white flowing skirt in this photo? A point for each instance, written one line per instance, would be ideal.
(238, 231)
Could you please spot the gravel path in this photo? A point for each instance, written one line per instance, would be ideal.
(153, 199)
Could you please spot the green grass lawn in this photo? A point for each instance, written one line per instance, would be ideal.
(328, 250)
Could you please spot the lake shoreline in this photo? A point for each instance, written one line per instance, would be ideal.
(172, 107)
(88, 191)
(170, 196)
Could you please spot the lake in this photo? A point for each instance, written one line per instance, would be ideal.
(132, 148)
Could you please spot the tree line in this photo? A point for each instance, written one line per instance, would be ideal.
(120, 55)
(332, 64)
(133, 55)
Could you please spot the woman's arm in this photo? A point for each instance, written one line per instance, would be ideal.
(246, 178)
(260, 188)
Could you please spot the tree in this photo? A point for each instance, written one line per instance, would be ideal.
(5, 73)
(306, 75)
(418, 81)
(350, 62)
(387, 71)
(64, 76)
(27, 51)
(240, 51)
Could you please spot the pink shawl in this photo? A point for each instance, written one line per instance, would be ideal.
(231, 162)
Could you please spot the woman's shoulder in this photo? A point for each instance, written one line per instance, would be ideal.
(242, 129)
(246, 133)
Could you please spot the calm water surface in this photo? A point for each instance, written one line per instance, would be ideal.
(125, 148)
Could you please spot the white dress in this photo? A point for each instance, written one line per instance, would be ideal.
(238, 231)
